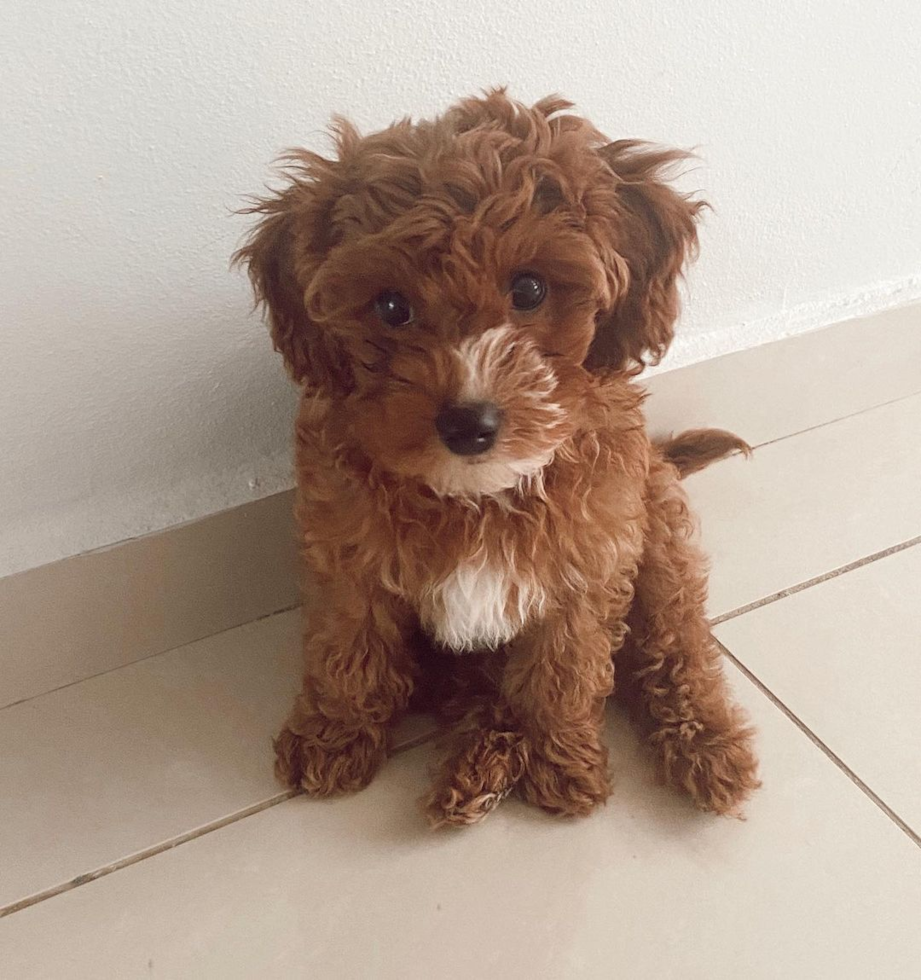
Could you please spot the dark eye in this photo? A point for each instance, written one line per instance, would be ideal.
(528, 291)
(393, 308)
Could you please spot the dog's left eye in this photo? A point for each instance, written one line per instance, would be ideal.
(528, 291)
(393, 308)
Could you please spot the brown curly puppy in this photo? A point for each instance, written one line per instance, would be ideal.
(465, 302)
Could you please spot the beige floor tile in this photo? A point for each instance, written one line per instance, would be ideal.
(845, 657)
(101, 770)
(777, 389)
(817, 883)
(810, 504)
(66, 621)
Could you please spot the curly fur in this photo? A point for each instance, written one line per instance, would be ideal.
(536, 560)
(697, 448)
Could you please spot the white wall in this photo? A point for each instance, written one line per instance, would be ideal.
(135, 389)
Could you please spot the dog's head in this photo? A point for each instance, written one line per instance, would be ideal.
(452, 284)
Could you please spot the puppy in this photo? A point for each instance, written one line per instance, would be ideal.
(483, 516)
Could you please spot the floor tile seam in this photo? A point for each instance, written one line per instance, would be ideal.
(814, 581)
(149, 656)
(819, 744)
(177, 841)
(839, 418)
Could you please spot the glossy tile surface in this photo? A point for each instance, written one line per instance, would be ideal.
(816, 883)
(139, 815)
(810, 504)
(845, 658)
(96, 772)
(69, 620)
(782, 388)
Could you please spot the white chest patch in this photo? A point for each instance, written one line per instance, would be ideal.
(479, 607)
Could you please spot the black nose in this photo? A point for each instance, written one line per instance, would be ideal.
(469, 429)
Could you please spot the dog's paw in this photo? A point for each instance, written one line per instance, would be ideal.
(570, 790)
(719, 772)
(475, 780)
(462, 806)
(326, 760)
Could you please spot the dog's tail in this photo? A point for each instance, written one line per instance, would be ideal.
(693, 450)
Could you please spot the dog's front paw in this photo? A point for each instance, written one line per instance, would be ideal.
(718, 771)
(571, 789)
(475, 780)
(325, 758)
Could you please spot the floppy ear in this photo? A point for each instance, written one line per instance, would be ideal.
(650, 235)
(282, 255)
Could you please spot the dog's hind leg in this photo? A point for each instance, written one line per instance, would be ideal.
(671, 669)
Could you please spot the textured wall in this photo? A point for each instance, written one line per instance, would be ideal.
(135, 389)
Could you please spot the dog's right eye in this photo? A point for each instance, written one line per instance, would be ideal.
(393, 308)
(528, 291)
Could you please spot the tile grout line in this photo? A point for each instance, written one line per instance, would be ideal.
(426, 737)
(418, 740)
(178, 841)
(205, 829)
(150, 656)
(817, 580)
(716, 621)
(422, 739)
(819, 744)
(147, 852)
(840, 418)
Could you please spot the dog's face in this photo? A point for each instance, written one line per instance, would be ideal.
(451, 285)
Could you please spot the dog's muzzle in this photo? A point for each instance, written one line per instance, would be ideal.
(469, 429)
